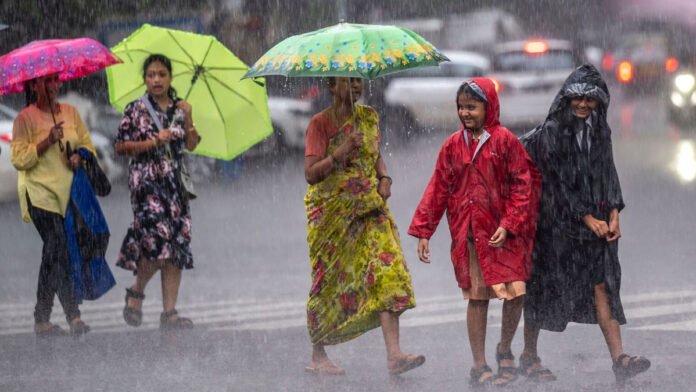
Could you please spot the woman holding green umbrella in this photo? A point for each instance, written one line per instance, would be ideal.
(154, 131)
(359, 275)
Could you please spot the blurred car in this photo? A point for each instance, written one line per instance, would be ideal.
(290, 117)
(681, 92)
(426, 96)
(8, 174)
(642, 59)
(528, 75)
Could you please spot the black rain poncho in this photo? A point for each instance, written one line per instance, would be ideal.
(568, 259)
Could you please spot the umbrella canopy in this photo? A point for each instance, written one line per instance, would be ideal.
(69, 58)
(230, 114)
(348, 50)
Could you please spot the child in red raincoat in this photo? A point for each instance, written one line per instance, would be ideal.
(485, 181)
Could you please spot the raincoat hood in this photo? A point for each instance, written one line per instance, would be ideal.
(486, 85)
(584, 81)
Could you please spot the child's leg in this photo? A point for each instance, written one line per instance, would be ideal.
(531, 337)
(609, 326)
(512, 311)
(476, 322)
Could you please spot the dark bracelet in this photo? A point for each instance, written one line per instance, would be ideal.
(380, 178)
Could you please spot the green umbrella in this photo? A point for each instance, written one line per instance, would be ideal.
(348, 50)
(230, 114)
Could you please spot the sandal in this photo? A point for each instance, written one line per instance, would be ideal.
(169, 324)
(51, 332)
(625, 370)
(507, 373)
(326, 368)
(481, 377)
(133, 316)
(78, 328)
(530, 367)
(406, 363)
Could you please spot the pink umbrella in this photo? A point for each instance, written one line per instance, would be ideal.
(69, 58)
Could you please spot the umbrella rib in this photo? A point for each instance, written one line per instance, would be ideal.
(196, 73)
(217, 107)
(181, 47)
(227, 87)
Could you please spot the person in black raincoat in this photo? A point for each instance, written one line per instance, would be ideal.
(576, 274)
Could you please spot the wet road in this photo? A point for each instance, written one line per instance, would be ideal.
(247, 291)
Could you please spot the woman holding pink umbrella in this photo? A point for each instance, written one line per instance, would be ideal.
(45, 178)
(39, 136)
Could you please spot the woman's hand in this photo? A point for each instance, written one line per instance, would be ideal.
(498, 238)
(614, 229)
(598, 227)
(424, 250)
(384, 187)
(352, 142)
(55, 133)
(164, 136)
(186, 107)
(75, 161)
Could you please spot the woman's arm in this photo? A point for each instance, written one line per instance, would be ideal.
(318, 168)
(384, 182)
(132, 148)
(192, 138)
(23, 153)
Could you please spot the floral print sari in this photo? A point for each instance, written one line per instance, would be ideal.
(358, 267)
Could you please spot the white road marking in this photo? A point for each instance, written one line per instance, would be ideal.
(269, 314)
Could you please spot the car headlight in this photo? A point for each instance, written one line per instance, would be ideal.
(684, 82)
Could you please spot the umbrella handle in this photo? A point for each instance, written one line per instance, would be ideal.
(53, 116)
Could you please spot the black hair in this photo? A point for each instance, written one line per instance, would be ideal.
(330, 81)
(466, 90)
(29, 94)
(164, 60)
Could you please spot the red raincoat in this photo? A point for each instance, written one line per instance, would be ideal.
(497, 186)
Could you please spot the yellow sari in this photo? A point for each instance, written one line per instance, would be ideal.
(358, 267)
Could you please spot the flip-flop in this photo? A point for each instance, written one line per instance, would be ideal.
(328, 369)
(407, 363)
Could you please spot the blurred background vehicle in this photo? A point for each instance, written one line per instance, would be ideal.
(8, 174)
(681, 93)
(425, 97)
(644, 55)
(290, 117)
(528, 75)
(477, 30)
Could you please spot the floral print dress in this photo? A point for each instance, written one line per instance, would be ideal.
(161, 227)
(358, 267)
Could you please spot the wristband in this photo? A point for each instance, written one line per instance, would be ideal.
(380, 178)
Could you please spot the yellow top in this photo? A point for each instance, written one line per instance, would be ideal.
(46, 178)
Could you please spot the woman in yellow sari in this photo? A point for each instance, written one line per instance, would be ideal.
(359, 275)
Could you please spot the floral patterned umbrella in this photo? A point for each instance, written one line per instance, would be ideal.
(348, 50)
(70, 58)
